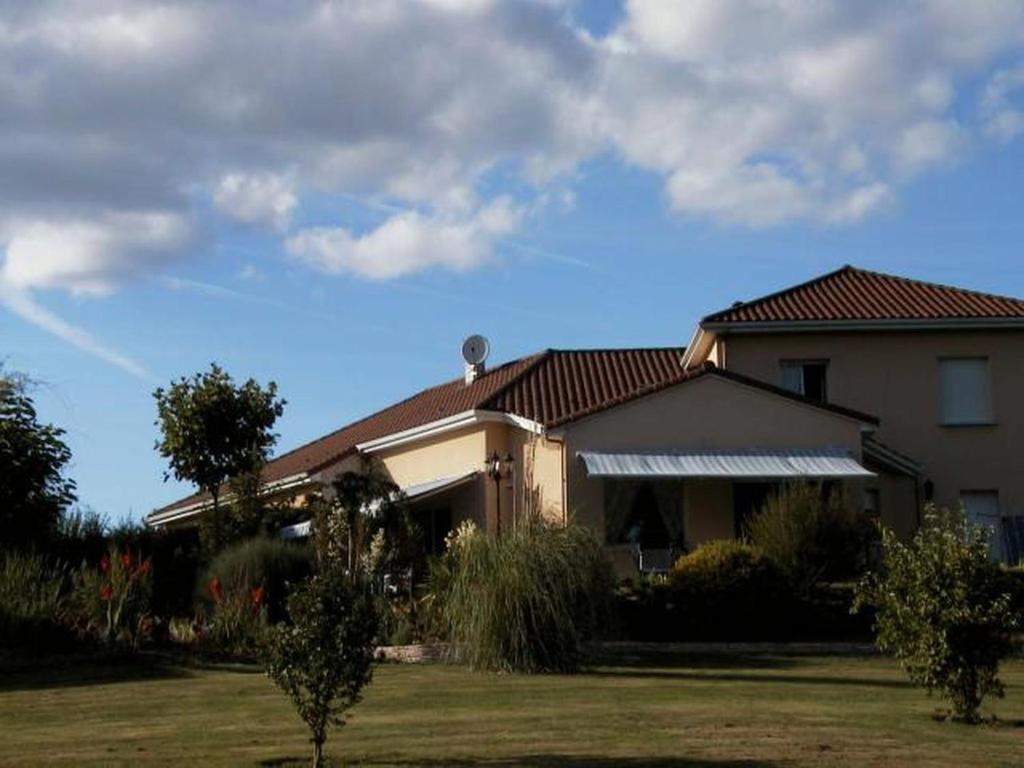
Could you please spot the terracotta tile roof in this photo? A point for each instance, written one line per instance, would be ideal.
(552, 388)
(851, 294)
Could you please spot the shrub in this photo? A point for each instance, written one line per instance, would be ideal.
(237, 622)
(525, 601)
(322, 657)
(32, 602)
(269, 564)
(113, 598)
(810, 534)
(942, 610)
(727, 589)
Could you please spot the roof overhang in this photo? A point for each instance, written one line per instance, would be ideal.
(768, 464)
(808, 326)
(448, 424)
(891, 459)
(163, 517)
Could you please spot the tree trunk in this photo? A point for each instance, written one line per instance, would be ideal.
(318, 752)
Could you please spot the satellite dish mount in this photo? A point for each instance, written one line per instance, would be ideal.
(474, 352)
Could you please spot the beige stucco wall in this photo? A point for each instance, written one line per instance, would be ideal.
(708, 511)
(708, 413)
(895, 375)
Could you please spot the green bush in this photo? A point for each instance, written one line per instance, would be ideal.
(525, 601)
(943, 610)
(812, 534)
(270, 564)
(32, 602)
(726, 590)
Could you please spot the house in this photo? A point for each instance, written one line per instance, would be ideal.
(884, 387)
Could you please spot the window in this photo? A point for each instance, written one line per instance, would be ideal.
(806, 377)
(964, 392)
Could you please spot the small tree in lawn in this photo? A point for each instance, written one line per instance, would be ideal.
(214, 430)
(941, 610)
(323, 656)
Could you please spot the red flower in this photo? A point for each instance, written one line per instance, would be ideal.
(257, 598)
(106, 592)
(104, 564)
(215, 590)
(126, 561)
(144, 568)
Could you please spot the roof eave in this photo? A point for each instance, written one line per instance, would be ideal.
(924, 324)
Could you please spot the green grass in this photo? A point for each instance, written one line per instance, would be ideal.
(655, 710)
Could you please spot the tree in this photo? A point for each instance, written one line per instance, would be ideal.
(941, 610)
(34, 492)
(358, 509)
(322, 658)
(214, 431)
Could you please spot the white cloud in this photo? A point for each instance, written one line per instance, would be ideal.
(1003, 120)
(87, 256)
(265, 199)
(752, 114)
(406, 243)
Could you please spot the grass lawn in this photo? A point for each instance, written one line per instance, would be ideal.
(662, 710)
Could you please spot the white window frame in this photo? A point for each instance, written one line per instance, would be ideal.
(985, 415)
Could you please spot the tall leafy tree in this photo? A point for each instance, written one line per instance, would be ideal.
(34, 492)
(214, 430)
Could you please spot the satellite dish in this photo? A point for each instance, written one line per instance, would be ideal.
(475, 349)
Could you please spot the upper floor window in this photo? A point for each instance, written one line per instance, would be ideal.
(806, 377)
(965, 394)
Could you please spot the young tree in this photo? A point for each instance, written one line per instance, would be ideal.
(214, 430)
(33, 489)
(323, 656)
(942, 611)
(358, 507)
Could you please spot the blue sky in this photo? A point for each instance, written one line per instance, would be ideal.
(603, 179)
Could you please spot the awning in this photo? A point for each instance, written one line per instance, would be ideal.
(412, 493)
(753, 464)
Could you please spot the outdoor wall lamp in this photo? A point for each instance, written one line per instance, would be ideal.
(497, 468)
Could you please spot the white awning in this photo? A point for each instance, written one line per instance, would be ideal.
(753, 464)
(414, 492)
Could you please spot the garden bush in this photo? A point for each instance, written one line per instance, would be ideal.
(726, 590)
(811, 534)
(943, 610)
(528, 600)
(33, 591)
(270, 564)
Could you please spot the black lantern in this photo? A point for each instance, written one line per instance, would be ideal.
(498, 468)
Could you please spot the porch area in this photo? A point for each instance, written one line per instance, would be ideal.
(658, 506)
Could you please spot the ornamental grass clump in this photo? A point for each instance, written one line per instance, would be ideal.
(525, 601)
(33, 592)
(943, 611)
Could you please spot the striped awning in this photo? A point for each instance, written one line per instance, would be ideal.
(773, 464)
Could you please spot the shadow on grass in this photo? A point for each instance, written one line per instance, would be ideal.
(533, 761)
(724, 676)
(20, 673)
(654, 658)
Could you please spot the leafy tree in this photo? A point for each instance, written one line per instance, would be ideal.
(942, 611)
(214, 430)
(33, 489)
(323, 657)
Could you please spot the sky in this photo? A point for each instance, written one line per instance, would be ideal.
(332, 195)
